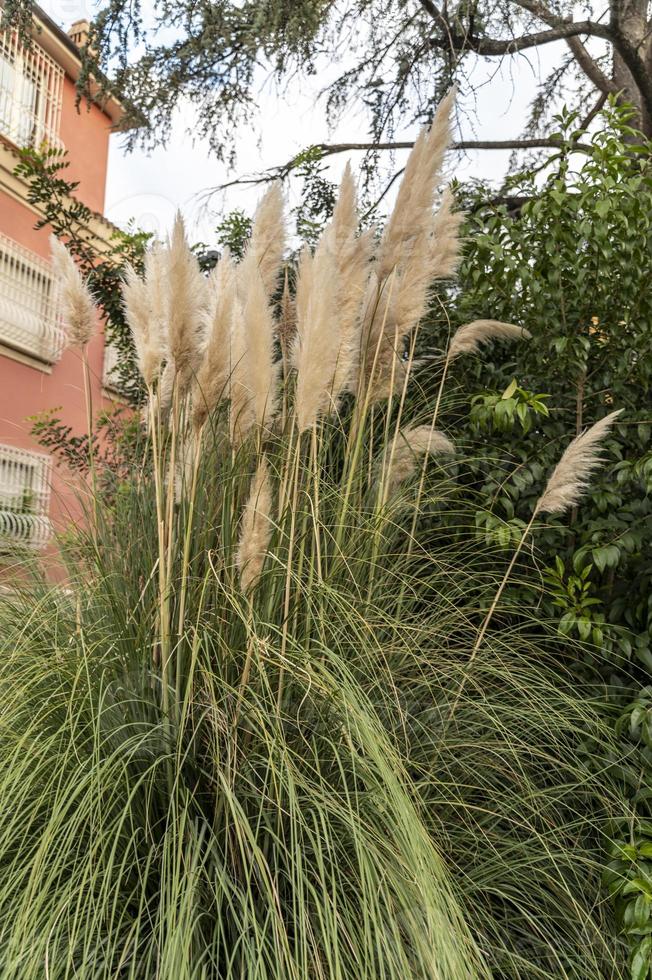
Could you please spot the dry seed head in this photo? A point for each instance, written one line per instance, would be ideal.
(467, 338)
(188, 293)
(78, 308)
(316, 346)
(267, 242)
(287, 323)
(256, 528)
(570, 477)
(142, 304)
(211, 383)
(241, 417)
(417, 248)
(412, 212)
(413, 441)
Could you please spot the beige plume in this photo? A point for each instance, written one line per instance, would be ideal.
(212, 381)
(412, 213)
(467, 338)
(267, 242)
(254, 373)
(316, 345)
(287, 323)
(417, 248)
(445, 245)
(241, 417)
(146, 332)
(570, 477)
(78, 308)
(188, 294)
(413, 441)
(255, 529)
(352, 253)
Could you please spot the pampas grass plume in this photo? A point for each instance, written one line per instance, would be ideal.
(468, 337)
(78, 308)
(414, 441)
(267, 242)
(316, 346)
(188, 294)
(570, 477)
(147, 340)
(256, 528)
(211, 383)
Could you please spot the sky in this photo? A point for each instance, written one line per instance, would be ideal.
(148, 187)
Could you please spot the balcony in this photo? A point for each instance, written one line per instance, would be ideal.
(31, 94)
(28, 303)
(24, 499)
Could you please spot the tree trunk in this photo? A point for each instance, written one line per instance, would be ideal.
(629, 17)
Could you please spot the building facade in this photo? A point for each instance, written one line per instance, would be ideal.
(37, 105)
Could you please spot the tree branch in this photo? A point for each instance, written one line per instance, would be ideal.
(330, 149)
(613, 33)
(495, 47)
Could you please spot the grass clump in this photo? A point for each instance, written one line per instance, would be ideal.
(265, 733)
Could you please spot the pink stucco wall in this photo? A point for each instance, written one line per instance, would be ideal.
(24, 389)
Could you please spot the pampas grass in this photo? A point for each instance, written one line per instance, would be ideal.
(212, 380)
(316, 349)
(571, 476)
(188, 301)
(412, 442)
(467, 338)
(229, 751)
(77, 306)
(267, 243)
(256, 528)
(565, 488)
(147, 332)
(418, 248)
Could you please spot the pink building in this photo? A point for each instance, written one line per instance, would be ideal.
(37, 103)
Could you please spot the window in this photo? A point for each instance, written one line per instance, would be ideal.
(31, 87)
(24, 498)
(28, 303)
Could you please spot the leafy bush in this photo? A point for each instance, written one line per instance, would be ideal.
(573, 266)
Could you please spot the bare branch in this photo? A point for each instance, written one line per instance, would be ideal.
(495, 47)
(613, 33)
(331, 149)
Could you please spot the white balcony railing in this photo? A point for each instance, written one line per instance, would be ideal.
(24, 498)
(31, 93)
(29, 321)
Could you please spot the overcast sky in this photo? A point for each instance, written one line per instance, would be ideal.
(149, 187)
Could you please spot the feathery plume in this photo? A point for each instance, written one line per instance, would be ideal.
(259, 330)
(267, 242)
(148, 343)
(187, 291)
(445, 239)
(254, 373)
(211, 383)
(570, 478)
(241, 416)
(157, 280)
(466, 338)
(287, 323)
(412, 212)
(316, 346)
(417, 248)
(255, 529)
(78, 308)
(414, 441)
(352, 253)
